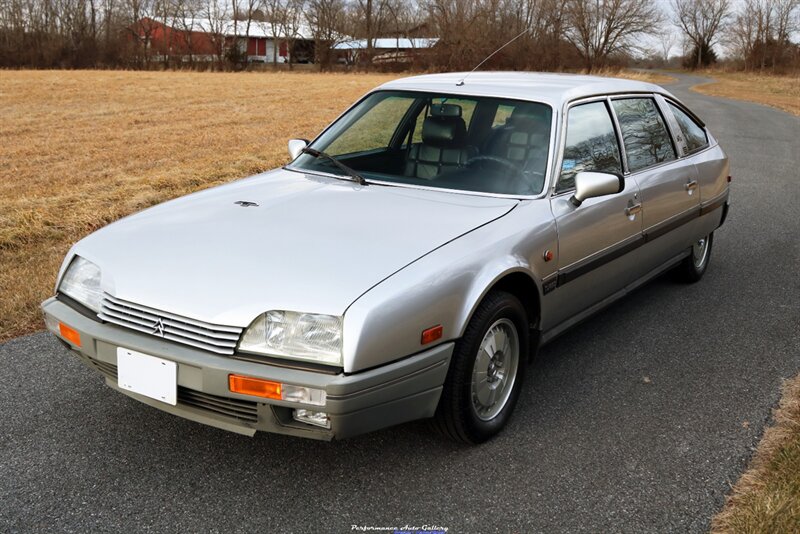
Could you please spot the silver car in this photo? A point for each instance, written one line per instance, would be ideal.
(406, 264)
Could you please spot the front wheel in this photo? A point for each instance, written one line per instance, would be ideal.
(694, 266)
(486, 371)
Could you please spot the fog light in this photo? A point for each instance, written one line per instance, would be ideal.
(312, 418)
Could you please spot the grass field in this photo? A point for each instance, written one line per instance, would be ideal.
(782, 92)
(82, 148)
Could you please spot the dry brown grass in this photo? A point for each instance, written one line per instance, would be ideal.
(767, 497)
(782, 92)
(82, 148)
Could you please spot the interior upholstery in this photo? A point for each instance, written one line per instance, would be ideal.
(523, 139)
(443, 146)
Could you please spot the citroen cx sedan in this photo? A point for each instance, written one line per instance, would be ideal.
(406, 264)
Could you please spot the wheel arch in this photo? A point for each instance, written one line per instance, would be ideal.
(518, 282)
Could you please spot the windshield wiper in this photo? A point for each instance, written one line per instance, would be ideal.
(352, 173)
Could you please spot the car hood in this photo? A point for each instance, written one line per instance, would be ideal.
(312, 244)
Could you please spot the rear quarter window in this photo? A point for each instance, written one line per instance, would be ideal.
(693, 134)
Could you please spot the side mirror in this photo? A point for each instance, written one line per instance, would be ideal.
(296, 147)
(595, 184)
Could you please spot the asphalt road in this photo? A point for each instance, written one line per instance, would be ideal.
(637, 421)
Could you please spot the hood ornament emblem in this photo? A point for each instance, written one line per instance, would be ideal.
(158, 328)
(246, 203)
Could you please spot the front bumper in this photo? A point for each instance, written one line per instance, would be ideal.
(395, 393)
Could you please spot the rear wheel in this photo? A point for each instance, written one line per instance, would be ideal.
(694, 266)
(486, 371)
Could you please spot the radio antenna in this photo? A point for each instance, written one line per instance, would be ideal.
(520, 34)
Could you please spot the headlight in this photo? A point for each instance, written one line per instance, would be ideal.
(82, 283)
(298, 336)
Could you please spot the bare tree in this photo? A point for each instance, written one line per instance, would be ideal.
(666, 41)
(599, 28)
(373, 16)
(787, 23)
(214, 11)
(700, 21)
(142, 28)
(326, 19)
(760, 32)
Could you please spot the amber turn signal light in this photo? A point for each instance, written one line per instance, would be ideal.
(247, 385)
(70, 334)
(431, 334)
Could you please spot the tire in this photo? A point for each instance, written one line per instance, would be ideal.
(481, 390)
(694, 266)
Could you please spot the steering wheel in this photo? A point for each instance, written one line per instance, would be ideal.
(516, 176)
(503, 162)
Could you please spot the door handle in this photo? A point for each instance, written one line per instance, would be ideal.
(633, 209)
(691, 186)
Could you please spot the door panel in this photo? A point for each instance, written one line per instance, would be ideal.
(668, 192)
(669, 187)
(594, 245)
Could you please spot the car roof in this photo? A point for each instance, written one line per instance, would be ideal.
(554, 89)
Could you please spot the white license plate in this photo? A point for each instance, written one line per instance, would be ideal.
(147, 375)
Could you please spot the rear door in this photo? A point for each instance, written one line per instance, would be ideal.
(694, 143)
(668, 184)
(595, 238)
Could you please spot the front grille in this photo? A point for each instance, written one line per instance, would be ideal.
(239, 409)
(212, 337)
(243, 410)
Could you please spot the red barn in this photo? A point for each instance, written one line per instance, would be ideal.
(206, 40)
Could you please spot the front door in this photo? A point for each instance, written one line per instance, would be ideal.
(593, 239)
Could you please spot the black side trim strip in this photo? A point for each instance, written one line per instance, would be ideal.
(660, 230)
(708, 208)
(611, 255)
(571, 274)
(550, 285)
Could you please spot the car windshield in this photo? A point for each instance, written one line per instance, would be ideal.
(470, 143)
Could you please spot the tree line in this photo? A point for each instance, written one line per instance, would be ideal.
(548, 34)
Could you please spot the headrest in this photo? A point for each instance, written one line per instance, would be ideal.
(445, 110)
(530, 112)
(444, 132)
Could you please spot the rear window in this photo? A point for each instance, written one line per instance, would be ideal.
(644, 133)
(693, 133)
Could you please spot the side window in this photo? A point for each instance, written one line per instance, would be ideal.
(694, 134)
(591, 144)
(647, 141)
